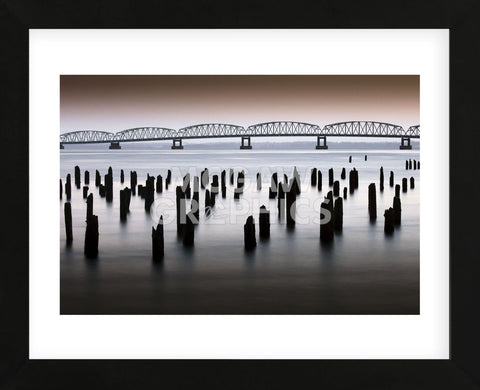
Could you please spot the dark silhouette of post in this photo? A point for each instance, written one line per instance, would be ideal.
(109, 185)
(181, 209)
(350, 159)
(391, 179)
(124, 203)
(291, 208)
(404, 184)
(313, 177)
(188, 230)
(397, 190)
(68, 187)
(412, 183)
(168, 179)
(389, 221)
(281, 206)
(61, 189)
(159, 184)
(264, 222)
(365, 157)
(204, 178)
(67, 210)
(86, 179)
(410, 164)
(406, 164)
(231, 175)
(77, 177)
(336, 188)
(157, 241)
(208, 205)
(250, 240)
(338, 215)
(98, 179)
(372, 202)
(149, 193)
(122, 176)
(330, 177)
(345, 192)
(101, 191)
(195, 205)
(91, 238)
(85, 192)
(327, 228)
(319, 180)
(259, 181)
(133, 181)
(381, 178)
(186, 186)
(397, 210)
(343, 175)
(89, 206)
(414, 164)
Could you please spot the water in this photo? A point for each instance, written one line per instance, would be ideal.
(363, 272)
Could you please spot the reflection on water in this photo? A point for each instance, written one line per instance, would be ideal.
(363, 271)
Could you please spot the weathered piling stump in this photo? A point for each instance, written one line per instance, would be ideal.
(330, 177)
(274, 183)
(327, 228)
(186, 186)
(149, 193)
(188, 230)
(350, 159)
(124, 203)
(406, 164)
(351, 181)
(336, 188)
(259, 181)
(204, 178)
(231, 175)
(91, 238)
(397, 210)
(271, 194)
(319, 180)
(61, 189)
(264, 222)
(291, 196)
(159, 184)
(89, 206)
(86, 177)
(372, 202)
(158, 241)
(195, 205)
(98, 179)
(250, 240)
(222, 178)
(223, 183)
(208, 205)
(414, 164)
(418, 164)
(365, 157)
(381, 178)
(404, 184)
(412, 183)
(168, 179)
(389, 221)
(68, 187)
(345, 192)
(343, 175)
(67, 210)
(355, 176)
(397, 190)
(122, 176)
(181, 209)
(215, 189)
(313, 177)
(77, 177)
(101, 191)
(338, 215)
(141, 191)
(281, 204)
(391, 179)
(85, 192)
(109, 185)
(296, 184)
(410, 164)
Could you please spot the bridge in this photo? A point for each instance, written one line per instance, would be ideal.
(266, 129)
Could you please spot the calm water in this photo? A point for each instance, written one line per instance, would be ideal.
(292, 273)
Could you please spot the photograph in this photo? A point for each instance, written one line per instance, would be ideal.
(239, 194)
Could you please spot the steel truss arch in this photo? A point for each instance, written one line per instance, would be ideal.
(210, 130)
(145, 134)
(363, 129)
(283, 128)
(86, 136)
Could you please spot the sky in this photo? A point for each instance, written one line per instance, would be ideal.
(114, 103)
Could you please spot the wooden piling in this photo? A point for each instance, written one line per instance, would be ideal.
(77, 177)
(336, 188)
(389, 221)
(101, 191)
(319, 180)
(85, 192)
(344, 192)
(397, 190)
(149, 193)
(281, 204)
(313, 177)
(414, 164)
(259, 181)
(291, 196)
(124, 203)
(159, 184)
(350, 159)
(91, 237)
(158, 241)
(412, 183)
(330, 177)
(61, 189)
(86, 179)
(410, 164)
(372, 202)
(250, 240)
(98, 179)
(327, 228)
(264, 222)
(381, 178)
(181, 209)
(188, 230)
(89, 206)
(67, 210)
(397, 210)
(68, 187)
(391, 179)
(343, 175)
(404, 184)
(338, 215)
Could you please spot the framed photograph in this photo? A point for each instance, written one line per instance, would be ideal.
(240, 200)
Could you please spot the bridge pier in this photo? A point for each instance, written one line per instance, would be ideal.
(114, 145)
(324, 139)
(407, 146)
(243, 146)
(177, 143)
(61, 146)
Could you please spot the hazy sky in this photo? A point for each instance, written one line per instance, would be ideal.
(114, 103)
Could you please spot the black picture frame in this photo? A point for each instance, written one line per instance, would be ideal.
(459, 372)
